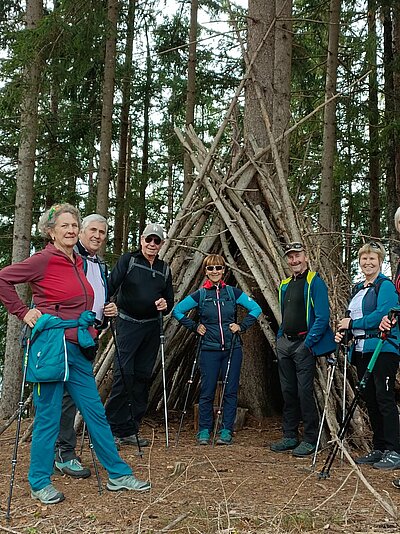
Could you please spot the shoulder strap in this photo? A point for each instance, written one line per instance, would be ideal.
(133, 263)
(202, 292)
(231, 294)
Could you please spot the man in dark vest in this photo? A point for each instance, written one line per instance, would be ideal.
(142, 284)
(91, 238)
(303, 335)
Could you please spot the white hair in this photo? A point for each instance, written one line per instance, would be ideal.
(94, 217)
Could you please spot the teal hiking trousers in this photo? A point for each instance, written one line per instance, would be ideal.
(47, 398)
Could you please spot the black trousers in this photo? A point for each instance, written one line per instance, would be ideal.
(379, 396)
(138, 345)
(296, 367)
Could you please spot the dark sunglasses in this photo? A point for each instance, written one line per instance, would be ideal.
(293, 246)
(155, 238)
(214, 268)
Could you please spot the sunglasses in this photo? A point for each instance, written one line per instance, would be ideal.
(375, 245)
(155, 238)
(293, 246)
(211, 268)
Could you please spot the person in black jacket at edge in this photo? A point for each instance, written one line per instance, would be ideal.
(142, 284)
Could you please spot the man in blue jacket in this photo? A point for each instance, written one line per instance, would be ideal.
(303, 335)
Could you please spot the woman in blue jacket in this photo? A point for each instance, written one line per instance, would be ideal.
(372, 299)
(217, 304)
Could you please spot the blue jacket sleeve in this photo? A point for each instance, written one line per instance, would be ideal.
(320, 309)
(185, 305)
(250, 305)
(387, 299)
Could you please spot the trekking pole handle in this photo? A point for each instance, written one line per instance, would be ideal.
(161, 323)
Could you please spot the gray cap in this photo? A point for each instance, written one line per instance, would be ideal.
(154, 229)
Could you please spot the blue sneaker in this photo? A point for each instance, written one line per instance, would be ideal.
(127, 482)
(48, 495)
(203, 437)
(224, 437)
(73, 468)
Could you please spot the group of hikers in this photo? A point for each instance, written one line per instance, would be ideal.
(74, 297)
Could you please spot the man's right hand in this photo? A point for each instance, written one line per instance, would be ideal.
(32, 316)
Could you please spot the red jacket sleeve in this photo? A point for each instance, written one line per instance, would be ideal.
(29, 270)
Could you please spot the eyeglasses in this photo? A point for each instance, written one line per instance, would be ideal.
(211, 268)
(293, 246)
(155, 238)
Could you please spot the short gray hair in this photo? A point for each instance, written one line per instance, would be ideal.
(49, 218)
(397, 219)
(94, 217)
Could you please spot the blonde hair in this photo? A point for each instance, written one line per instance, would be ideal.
(49, 218)
(373, 247)
(213, 259)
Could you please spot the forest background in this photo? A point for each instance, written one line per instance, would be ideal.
(282, 125)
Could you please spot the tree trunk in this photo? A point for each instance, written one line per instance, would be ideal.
(122, 176)
(373, 126)
(329, 134)
(191, 91)
(23, 211)
(146, 140)
(107, 109)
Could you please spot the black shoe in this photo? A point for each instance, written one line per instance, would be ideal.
(371, 458)
(131, 440)
(284, 445)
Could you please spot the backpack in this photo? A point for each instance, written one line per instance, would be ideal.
(358, 287)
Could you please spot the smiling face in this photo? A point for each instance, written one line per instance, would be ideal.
(65, 232)
(370, 265)
(215, 273)
(150, 246)
(93, 236)
(297, 261)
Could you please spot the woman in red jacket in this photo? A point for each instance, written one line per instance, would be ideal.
(60, 288)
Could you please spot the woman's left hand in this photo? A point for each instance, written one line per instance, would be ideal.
(234, 328)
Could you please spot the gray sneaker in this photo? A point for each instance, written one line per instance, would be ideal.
(284, 444)
(73, 468)
(131, 440)
(127, 482)
(390, 460)
(370, 458)
(48, 495)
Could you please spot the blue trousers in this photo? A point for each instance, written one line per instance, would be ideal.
(213, 363)
(47, 398)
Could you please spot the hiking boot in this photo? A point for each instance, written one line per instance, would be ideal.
(390, 460)
(48, 495)
(73, 468)
(304, 449)
(396, 483)
(224, 437)
(127, 482)
(370, 458)
(203, 437)
(284, 444)
(131, 440)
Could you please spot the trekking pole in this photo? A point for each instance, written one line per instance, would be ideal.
(95, 466)
(127, 393)
(162, 341)
(82, 438)
(332, 362)
(345, 342)
(18, 429)
(359, 390)
(219, 411)
(190, 382)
